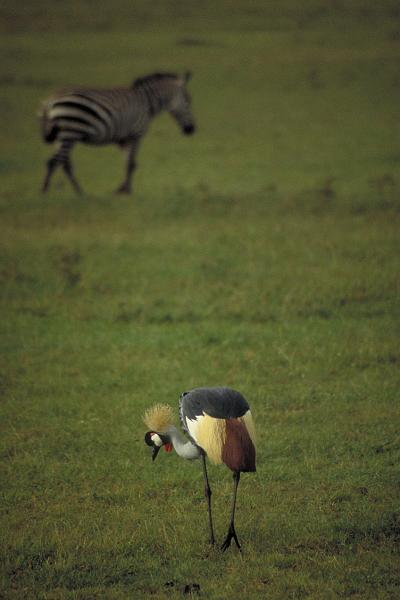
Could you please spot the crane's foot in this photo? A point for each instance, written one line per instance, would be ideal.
(231, 534)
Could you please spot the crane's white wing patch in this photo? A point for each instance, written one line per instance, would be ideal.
(193, 426)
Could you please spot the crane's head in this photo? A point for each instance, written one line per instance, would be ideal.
(157, 441)
(158, 418)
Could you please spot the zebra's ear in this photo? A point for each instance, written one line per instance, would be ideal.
(187, 76)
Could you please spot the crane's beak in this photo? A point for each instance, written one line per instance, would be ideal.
(156, 450)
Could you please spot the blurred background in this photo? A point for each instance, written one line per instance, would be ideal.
(287, 95)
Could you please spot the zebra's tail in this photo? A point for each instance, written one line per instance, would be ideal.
(48, 128)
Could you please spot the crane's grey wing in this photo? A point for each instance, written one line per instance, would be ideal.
(217, 402)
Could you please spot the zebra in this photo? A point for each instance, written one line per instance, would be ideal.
(112, 116)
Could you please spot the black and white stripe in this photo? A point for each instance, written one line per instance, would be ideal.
(112, 116)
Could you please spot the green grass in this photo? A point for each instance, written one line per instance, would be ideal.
(263, 254)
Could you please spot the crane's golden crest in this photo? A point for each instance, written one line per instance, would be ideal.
(158, 417)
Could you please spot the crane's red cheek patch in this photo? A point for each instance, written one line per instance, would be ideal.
(168, 447)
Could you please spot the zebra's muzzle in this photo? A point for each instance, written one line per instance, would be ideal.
(189, 129)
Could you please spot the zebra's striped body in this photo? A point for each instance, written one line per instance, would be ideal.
(112, 116)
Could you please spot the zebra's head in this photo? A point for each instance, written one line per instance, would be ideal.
(180, 106)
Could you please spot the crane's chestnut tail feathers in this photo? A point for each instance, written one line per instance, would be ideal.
(159, 417)
(238, 452)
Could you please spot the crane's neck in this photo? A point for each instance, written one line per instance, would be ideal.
(183, 447)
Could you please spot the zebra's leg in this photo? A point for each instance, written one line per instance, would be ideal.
(65, 151)
(52, 164)
(126, 186)
(61, 158)
(70, 174)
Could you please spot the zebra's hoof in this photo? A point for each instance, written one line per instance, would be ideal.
(123, 189)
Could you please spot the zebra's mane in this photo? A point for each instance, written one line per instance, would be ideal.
(152, 78)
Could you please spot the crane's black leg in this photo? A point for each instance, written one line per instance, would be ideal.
(207, 491)
(231, 531)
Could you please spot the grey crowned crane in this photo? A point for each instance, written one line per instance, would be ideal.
(219, 425)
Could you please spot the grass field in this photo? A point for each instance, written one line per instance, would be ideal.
(262, 254)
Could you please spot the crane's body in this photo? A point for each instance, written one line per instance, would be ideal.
(219, 425)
